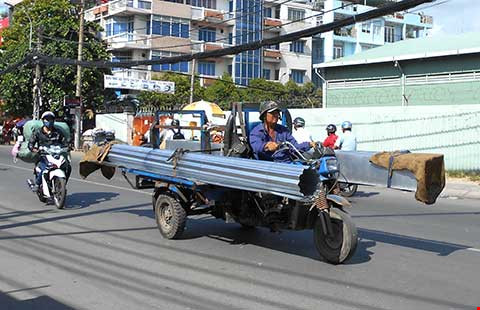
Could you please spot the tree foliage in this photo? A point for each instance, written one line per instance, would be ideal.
(58, 22)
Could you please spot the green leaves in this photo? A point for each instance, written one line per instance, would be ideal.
(59, 38)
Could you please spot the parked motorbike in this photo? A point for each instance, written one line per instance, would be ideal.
(55, 175)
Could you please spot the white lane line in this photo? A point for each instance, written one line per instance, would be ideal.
(459, 247)
(85, 181)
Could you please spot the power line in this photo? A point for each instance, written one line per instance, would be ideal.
(375, 13)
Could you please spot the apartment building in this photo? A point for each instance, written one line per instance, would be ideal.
(149, 29)
(366, 35)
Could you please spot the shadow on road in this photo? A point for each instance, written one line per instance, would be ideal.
(439, 247)
(38, 303)
(9, 215)
(365, 194)
(84, 200)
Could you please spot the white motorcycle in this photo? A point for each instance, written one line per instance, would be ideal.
(55, 175)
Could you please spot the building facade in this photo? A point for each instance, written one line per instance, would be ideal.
(366, 35)
(149, 29)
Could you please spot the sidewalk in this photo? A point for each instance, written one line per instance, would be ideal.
(461, 189)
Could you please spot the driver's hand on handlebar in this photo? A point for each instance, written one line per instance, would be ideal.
(313, 144)
(271, 146)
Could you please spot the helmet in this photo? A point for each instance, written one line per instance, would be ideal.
(299, 122)
(331, 128)
(175, 122)
(267, 106)
(48, 119)
(346, 125)
(47, 114)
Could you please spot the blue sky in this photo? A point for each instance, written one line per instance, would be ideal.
(453, 16)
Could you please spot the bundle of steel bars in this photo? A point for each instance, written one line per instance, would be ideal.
(293, 181)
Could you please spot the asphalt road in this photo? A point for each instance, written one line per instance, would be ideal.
(105, 252)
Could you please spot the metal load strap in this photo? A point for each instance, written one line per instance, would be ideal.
(288, 180)
(356, 168)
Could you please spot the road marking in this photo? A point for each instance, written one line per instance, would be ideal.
(85, 181)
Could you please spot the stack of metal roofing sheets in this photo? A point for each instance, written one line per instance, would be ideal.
(293, 181)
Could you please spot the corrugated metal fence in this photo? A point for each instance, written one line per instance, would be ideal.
(451, 130)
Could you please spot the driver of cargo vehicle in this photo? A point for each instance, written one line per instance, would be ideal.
(46, 135)
(265, 137)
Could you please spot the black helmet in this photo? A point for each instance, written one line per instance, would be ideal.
(331, 128)
(175, 122)
(267, 106)
(299, 122)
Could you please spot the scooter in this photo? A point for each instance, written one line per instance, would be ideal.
(55, 175)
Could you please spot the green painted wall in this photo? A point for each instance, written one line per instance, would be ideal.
(444, 93)
(366, 96)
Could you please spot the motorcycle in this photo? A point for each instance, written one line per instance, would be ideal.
(55, 175)
(347, 189)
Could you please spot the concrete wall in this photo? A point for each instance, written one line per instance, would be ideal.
(450, 130)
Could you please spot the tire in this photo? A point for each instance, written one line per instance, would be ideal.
(40, 196)
(59, 192)
(170, 216)
(344, 242)
(348, 190)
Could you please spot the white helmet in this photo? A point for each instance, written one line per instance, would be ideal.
(47, 114)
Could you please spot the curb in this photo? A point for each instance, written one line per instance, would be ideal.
(461, 190)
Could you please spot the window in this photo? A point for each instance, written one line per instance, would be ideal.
(297, 47)
(298, 76)
(230, 38)
(230, 6)
(144, 5)
(207, 34)
(229, 69)
(209, 4)
(366, 27)
(170, 26)
(266, 74)
(337, 51)
(178, 67)
(115, 26)
(295, 14)
(274, 46)
(206, 67)
(389, 34)
(267, 12)
(277, 75)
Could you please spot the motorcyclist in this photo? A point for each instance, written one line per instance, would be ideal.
(331, 136)
(45, 136)
(348, 141)
(299, 132)
(265, 137)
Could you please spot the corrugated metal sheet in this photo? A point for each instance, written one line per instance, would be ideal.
(448, 129)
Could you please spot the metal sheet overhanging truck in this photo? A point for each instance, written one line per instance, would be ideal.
(199, 177)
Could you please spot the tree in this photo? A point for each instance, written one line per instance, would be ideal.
(172, 101)
(59, 25)
(261, 90)
(223, 92)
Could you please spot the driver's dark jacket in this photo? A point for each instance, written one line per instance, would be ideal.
(259, 137)
(40, 138)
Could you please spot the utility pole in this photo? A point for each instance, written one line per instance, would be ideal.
(192, 80)
(78, 91)
(37, 100)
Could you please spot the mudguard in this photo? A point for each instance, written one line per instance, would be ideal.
(57, 173)
(339, 200)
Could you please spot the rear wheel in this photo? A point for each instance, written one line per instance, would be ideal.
(59, 192)
(170, 216)
(341, 244)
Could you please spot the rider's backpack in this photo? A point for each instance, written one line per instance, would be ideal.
(178, 136)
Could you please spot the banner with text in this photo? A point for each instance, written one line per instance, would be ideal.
(111, 81)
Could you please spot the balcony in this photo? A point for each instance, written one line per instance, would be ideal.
(272, 55)
(119, 7)
(128, 41)
(212, 16)
(272, 24)
(200, 46)
(346, 32)
(426, 19)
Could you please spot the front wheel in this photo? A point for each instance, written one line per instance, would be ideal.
(348, 190)
(342, 242)
(170, 216)
(59, 192)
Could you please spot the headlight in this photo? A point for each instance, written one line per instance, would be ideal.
(332, 165)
